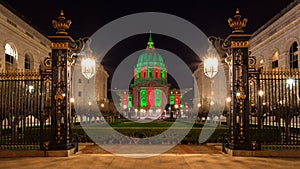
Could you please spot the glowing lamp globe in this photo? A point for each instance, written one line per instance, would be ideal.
(88, 63)
(88, 67)
(211, 67)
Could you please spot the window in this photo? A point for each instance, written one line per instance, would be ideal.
(294, 56)
(275, 60)
(79, 94)
(10, 57)
(27, 62)
(79, 80)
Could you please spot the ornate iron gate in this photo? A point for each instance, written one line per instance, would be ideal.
(274, 108)
(25, 108)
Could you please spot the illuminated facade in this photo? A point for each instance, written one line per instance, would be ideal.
(150, 87)
(150, 94)
(23, 47)
(276, 44)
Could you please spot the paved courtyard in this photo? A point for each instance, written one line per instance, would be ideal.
(180, 157)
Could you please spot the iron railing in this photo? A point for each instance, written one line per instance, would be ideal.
(23, 114)
(275, 109)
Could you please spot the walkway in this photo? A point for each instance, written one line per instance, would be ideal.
(180, 157)
(91, 148)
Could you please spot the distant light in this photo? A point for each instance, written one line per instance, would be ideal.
(290, 82)
(228, 99)
(260, 92)
(30, 88)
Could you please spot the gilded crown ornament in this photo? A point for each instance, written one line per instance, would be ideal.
(62, 24)
(236, 23)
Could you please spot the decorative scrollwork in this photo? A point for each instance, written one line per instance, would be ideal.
(251, 61)
(48, 61)
(221, 45)
(78, 45)
(239, 57)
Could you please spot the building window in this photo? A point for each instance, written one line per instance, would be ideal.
(275, 60)
(79, 80)
(79, 94)
(294, 56)
(10, 57)
(27, 62)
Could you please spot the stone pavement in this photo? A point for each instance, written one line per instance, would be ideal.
(180, 157)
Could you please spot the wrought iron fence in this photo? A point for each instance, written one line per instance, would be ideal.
(24, 115)
(275, 109)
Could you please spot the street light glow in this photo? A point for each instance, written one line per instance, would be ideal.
(211, 62)
(290, 82)
(228, 99)
(210, 67)
(88, 63)
(260, 92)
(88, 67)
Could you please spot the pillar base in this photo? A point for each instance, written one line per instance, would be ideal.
(60, 146)
(244, 146)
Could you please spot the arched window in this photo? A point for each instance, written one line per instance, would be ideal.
(27, 62)
(294, 56)
(10, 57)
(275, 60)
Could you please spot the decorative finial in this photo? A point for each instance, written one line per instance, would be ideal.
(62, 24)
(150, 44)
(236, 23)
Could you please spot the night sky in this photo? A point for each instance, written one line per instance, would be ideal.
(89, 15)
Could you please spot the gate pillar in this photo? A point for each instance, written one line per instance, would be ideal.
(239, 113)
(63, 47)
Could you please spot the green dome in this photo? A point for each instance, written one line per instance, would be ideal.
(150, 57)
